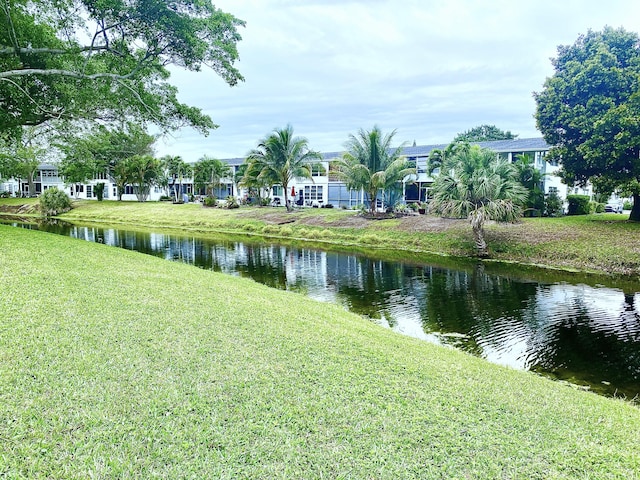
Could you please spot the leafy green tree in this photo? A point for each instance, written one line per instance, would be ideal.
(109, 60)
(531, 178)
(476, 185)
(24, 165)
(107, 149)
(280, 157)
(484, 133)
(589, 111)
(371, 164)
(77, 170)
(208, 173)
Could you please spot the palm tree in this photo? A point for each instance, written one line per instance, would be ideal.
(280, 157)
(249, 178)
(176, 169)
(370, 164)
(143, 171)
(475, 184)
(209, 172)
(359, 177)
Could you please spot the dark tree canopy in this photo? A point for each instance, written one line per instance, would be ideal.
(108, 59)
(589, 112)
(484, 133)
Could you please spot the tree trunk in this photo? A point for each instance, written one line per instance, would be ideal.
(635, 211)
(32, 185)
(286, 201)
(481, 244)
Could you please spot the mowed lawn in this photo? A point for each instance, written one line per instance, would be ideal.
(118, 365)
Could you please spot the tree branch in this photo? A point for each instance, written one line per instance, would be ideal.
(52, 51)
(65, 73)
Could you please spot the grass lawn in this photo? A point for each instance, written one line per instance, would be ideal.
(603, 243)
(114, 364)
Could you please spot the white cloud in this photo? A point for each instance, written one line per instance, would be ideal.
(428, 68)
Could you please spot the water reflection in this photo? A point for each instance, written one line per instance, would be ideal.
(588, 335)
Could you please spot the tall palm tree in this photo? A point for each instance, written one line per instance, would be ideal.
(359, 177)
(475, 184)
(280, 157)
(176, 169)
(370, 164)
(208, 173)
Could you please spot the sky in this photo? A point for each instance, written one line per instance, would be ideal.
(428, 69)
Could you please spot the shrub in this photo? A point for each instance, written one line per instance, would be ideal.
(231, 202)
(210, 202)
(54, 202)
(553, 205)
(98, 191)
(597, 207)
(579, 205)
(627, 205)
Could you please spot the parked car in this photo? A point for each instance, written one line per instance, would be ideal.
(613, 207)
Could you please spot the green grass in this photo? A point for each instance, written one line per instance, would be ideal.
(603, 243)
(118, 365)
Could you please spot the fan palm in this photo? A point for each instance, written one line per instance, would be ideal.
(475, 184)
(280, 157)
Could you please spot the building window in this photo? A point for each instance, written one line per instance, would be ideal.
(313, 194)
(553, 190)
(89, 191)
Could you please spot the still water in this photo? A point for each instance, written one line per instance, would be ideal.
(586, 334)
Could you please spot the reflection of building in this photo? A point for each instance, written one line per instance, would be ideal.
(322, 189)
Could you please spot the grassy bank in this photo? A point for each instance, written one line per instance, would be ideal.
(604, 243)
(118, 365)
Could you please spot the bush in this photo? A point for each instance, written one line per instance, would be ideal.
(98, 191)
(210, 202)
(627, 205)
(579, 205)
(230, 203)
(597, 207)
(553, 205)
(54, 202)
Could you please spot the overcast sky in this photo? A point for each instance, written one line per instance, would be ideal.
(428, 69)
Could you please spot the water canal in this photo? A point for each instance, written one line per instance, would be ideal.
(583, 332)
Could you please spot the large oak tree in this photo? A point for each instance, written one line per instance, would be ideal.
(109, 59)
(589, 112)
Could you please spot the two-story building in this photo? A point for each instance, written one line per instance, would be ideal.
(322, 189)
